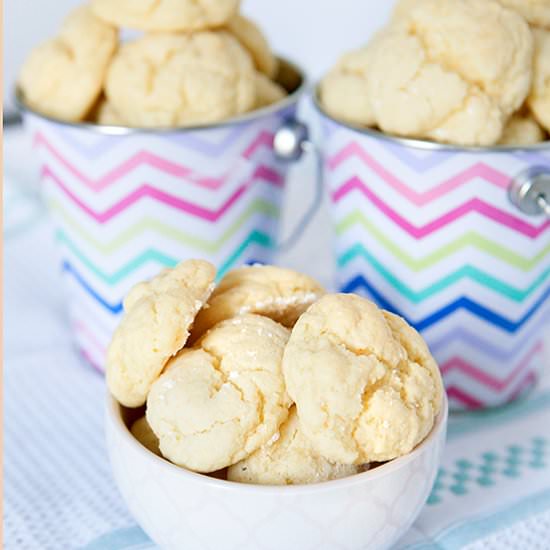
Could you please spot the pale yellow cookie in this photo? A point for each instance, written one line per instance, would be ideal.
(63, 77)
(167, 80)
(437, 73)
(267, 91)
(143, 433)
(166, 15)
(288, 459)
(252, 38)
(278, 293)
(537, 12)
(365, 385)
(155, 326)
(217, 403)
(107, 116)
(522, 129)
(539, 97)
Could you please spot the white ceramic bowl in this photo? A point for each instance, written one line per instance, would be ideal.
(182, 510)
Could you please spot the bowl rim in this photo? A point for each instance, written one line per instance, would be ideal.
(105, 129)
(113, 410)
(426, 145)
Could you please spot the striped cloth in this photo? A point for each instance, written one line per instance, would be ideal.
(492, 491)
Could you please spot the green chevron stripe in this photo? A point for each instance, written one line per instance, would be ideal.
(465, 272)
(151, 255)
(469, 239)
(259, 206)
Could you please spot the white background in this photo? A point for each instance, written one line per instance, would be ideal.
(312, 32)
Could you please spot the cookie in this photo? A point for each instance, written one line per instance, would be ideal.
(252, 38)
(143, 433)
(522, 129)
(166, 15)
(288, 459)
(155, 326)
(169, 80)
(536, 12)
(218, 402)
(365, 385)
(539, 97)
(436, 73)
(267, 91)
(106, 115)
(278, 293)
(63, 77)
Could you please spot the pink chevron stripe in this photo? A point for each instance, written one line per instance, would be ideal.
(83, 329)
(456, 363)
(150, 159)
(264, 138)
(473, 205)
(151, 192)
(528, 381)
(456, 394)
(478, 170)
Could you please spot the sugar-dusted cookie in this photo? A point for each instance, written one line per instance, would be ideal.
(167, 80)
(252, 38)
(217, 403)
(539, 97)
(278, 293)
(155, 326)
(142, 432)
(267, 91)
(287, 459)
(166, 15)
(63, 77)
(365, 385)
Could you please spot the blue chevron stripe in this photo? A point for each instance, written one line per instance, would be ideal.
(461, 303)
(67, 267)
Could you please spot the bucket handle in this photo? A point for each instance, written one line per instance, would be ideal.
(290, 143)
(530, 191)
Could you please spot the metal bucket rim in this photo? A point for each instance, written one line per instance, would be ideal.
(426, 145)
(289, 100)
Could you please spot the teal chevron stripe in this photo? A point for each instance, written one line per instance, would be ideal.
(256, 207)
(255, 238)
(465, 272)
(151, 255)
(469, 239)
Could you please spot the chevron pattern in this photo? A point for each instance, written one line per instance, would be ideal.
(123, 207)
(432, 236)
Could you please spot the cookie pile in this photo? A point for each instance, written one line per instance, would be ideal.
(198, 62)
(464, 72)
(268, 378)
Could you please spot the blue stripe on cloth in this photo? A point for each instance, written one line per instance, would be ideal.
(470, 530)
(133, 538)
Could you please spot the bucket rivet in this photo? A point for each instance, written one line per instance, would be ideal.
(530, 191)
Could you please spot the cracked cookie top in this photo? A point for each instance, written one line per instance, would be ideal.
(365, 385)
(436, 72)
(155, 326)
(288, 459)
(166, 15)
(278, 293)
(218, 402)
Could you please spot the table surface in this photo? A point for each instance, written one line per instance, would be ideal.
(492, 491)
